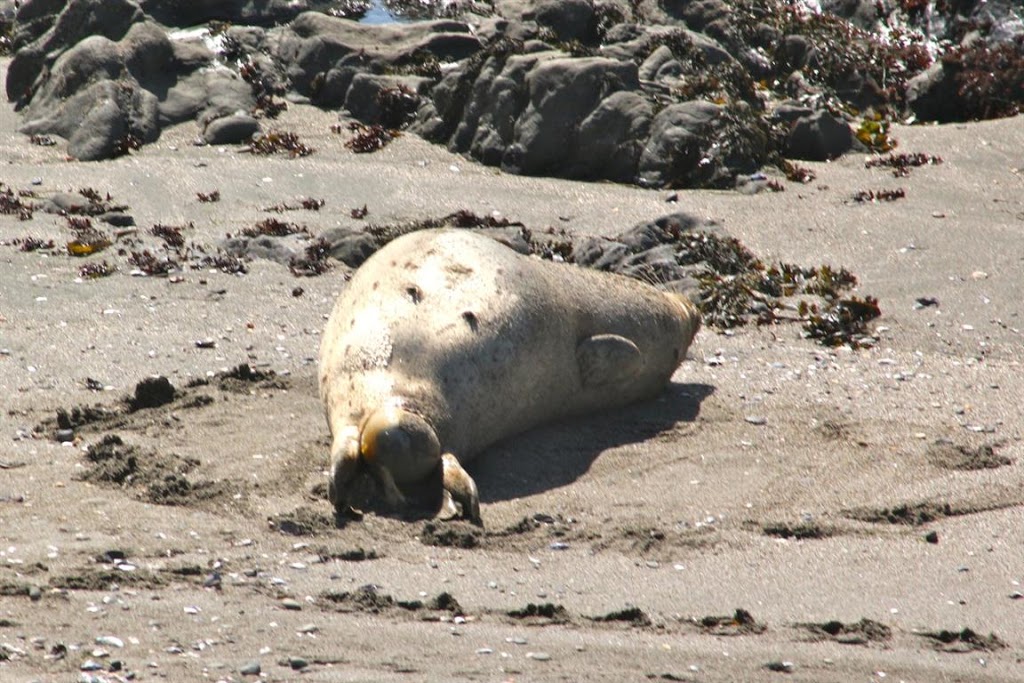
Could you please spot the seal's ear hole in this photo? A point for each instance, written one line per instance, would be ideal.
(471, 320)
(415, 293)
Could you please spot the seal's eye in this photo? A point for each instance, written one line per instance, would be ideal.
(415, 293)
(471, 320)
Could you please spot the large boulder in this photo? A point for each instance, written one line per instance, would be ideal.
(108, 96)
(241, 12)
(51, 28)
(314, 44)
(560, 94)
(100, 121)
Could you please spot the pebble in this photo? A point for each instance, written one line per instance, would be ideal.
(539, 656)
(291, 603)
(758, 420)
(309, 628)
(782, 667)
(251, 668)
(65, 435)
(91, 665)
(558, 545)
(297, 663)
(485, 651)
(109, 641)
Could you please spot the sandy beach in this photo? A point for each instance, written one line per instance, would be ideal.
(785, 511)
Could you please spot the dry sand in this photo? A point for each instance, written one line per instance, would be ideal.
(794, 482)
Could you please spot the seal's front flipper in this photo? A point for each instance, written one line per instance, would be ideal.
(345, 467)
(460, 496)
(607, 359)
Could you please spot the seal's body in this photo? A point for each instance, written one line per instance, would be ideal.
(446, 341)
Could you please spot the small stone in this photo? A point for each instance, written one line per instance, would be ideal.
(297, 663)
(110, 641)
(35, 594)
(291, 603)
(65, 435)
(251, 668)
(558, 545)
(485, 651)
(782, 667)
(758, 420)
(539, 656)
(932, 537)
(309, 628)
(90, 665)
(206, 343)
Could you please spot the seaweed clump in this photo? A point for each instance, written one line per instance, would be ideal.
(733, 287)
(988, 80)
(274, 228)
(275, 142)
(12, 204)
(397, 106)
(314, 262)
(94, 271)
(902, 163)
(367, 139)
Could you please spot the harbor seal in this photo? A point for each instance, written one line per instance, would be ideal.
(446, 341)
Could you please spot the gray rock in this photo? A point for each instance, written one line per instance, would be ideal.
(65, 202)
(561, 94)
(118, 219)
(250, 668)
(351, 247)
(149, 56)
(314, 43)
(679, 133)
(76, 20)
(612, 137)
(818, 137)
(659, 65)
(794, 53)
(251, 12)
(213, 94)
(264, 247)
(99, 120)
(568, 19)
(231, 130)
(932, 95)
(363, 98)
(651, 251)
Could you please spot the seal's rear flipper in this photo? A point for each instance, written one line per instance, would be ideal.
(607, 359)
(460, 496)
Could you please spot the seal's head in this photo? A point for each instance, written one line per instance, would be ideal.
(401, 454)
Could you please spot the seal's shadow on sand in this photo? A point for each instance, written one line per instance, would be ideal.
(556, 455)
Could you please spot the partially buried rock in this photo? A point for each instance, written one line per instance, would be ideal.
(819, 137)
(152, 392)
(250, 669)
(230, 130)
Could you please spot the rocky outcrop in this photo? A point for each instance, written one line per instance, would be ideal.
(678, 93)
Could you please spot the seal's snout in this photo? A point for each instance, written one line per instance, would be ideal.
(401, 443)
